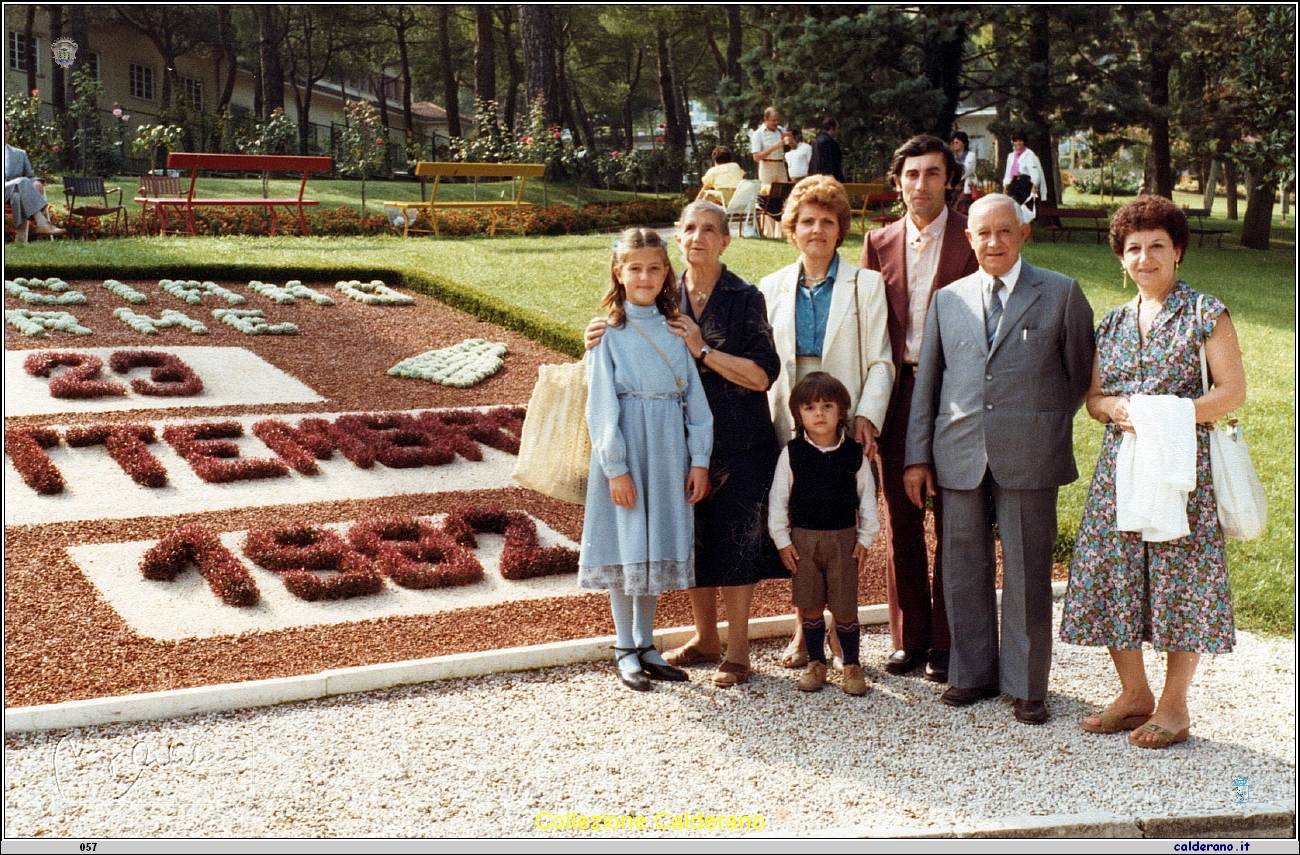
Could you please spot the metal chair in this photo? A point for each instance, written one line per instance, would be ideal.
(91, 188)
(161, 189)
(741, 208)
(771, 205)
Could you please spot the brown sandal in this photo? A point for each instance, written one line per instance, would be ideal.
(1163, 737)
(731, 674)
(1114, 723)
(689, 654)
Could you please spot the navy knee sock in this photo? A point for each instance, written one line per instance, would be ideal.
(814, 639)
(850, 635)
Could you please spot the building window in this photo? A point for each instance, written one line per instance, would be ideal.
(193, 90)
(18, 51)
(141, 82)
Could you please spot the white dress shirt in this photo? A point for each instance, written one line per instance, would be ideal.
(923, 249)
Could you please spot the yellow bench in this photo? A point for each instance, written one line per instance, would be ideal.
(436, 170)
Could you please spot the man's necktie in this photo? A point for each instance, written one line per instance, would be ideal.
(993, 314)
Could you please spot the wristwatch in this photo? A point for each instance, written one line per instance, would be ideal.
(704, 351)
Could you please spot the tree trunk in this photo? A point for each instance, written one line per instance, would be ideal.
(28, 36)
(732, 74)
(537, 30)
(404, 56)
(450, 93)
(1230, 180)
(1158, 87)
(1211, 185)
(58, 78)
(485, 63)
(942, 64)
(672, 136)
(515, 69)
(268, 44)
(1258, 225)
(1040, 101)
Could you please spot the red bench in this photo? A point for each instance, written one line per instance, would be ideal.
(239, 163)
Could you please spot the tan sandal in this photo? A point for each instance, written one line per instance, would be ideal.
(794, 656)
(689, 654)
(1163, 737)
(1115, 723)
(731, 674)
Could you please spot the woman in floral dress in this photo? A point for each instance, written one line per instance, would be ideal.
(1124, 591)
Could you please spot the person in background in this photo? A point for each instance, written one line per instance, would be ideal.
(25, 194)
(827, 158)
(1022, 161)
(768, 144)
(966, 159)
(720, 182)
(798, 160)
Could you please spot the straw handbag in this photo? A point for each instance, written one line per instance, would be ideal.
(555, 448)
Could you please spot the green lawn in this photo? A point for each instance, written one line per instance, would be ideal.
(549, 287)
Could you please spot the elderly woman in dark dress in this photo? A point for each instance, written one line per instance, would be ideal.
(724, 323)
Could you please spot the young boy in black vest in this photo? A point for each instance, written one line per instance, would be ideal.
(822, 517)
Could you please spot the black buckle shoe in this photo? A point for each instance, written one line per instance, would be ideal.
(637, 681)
(655, 671)
(904, 661)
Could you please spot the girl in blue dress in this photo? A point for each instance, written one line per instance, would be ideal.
(651, 436)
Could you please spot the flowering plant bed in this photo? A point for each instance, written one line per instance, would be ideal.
(253, 322)
(466, 364)
(192, 291)
(151, 326)
(191, 544)
(29, 291)
(374, 293)
(126, 292)
(35, 324)
(289, 294)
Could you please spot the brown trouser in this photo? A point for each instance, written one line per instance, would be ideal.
(918, 619)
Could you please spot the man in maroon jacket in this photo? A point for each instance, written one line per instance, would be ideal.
(919, 254)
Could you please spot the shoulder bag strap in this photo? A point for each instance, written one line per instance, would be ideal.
(1205, 373)
(681, 387)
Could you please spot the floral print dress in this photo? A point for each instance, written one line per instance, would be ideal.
(1124, 591)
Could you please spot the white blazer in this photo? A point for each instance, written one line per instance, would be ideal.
(856, 348)
(1030, 166)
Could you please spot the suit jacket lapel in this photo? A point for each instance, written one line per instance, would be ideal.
(783, 313)
(841, 299)
(972, 294)
(1022, 297)
(893, 267)
(956, 249)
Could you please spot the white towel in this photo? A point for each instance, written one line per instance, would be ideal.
(1155, 469)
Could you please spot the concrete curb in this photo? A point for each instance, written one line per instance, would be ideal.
(366, 678)
(1250, 821)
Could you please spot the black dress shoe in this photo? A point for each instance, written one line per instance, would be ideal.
(637, 681)
(936, 670)
(660, 672)
(955, 697)
(1030, 712)
(904, 661)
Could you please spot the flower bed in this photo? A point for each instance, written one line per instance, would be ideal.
(374, 293)
(192, 291)
(169, 378)
(213, 460)
(126, 445)
(522, 557)
(462, 365)
(35, 324)
(126, 292)
(289, 294)
(229, 580)
(78, 380)
(150, 326)
(415, 554)
(253, 322)
(298, 553)
(26, 448)
(28, 290)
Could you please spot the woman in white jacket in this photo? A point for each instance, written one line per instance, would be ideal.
(827, 315)
(1022, 161)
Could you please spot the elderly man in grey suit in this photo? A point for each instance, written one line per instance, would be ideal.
(1006, 360)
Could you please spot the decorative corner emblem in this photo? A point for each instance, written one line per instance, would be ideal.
(65, 51)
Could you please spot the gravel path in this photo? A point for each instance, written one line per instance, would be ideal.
(486, 757)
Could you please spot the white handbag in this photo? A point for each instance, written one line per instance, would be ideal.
(555, 447)
(1243, 507)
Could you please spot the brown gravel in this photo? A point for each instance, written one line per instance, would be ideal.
(63, 642)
